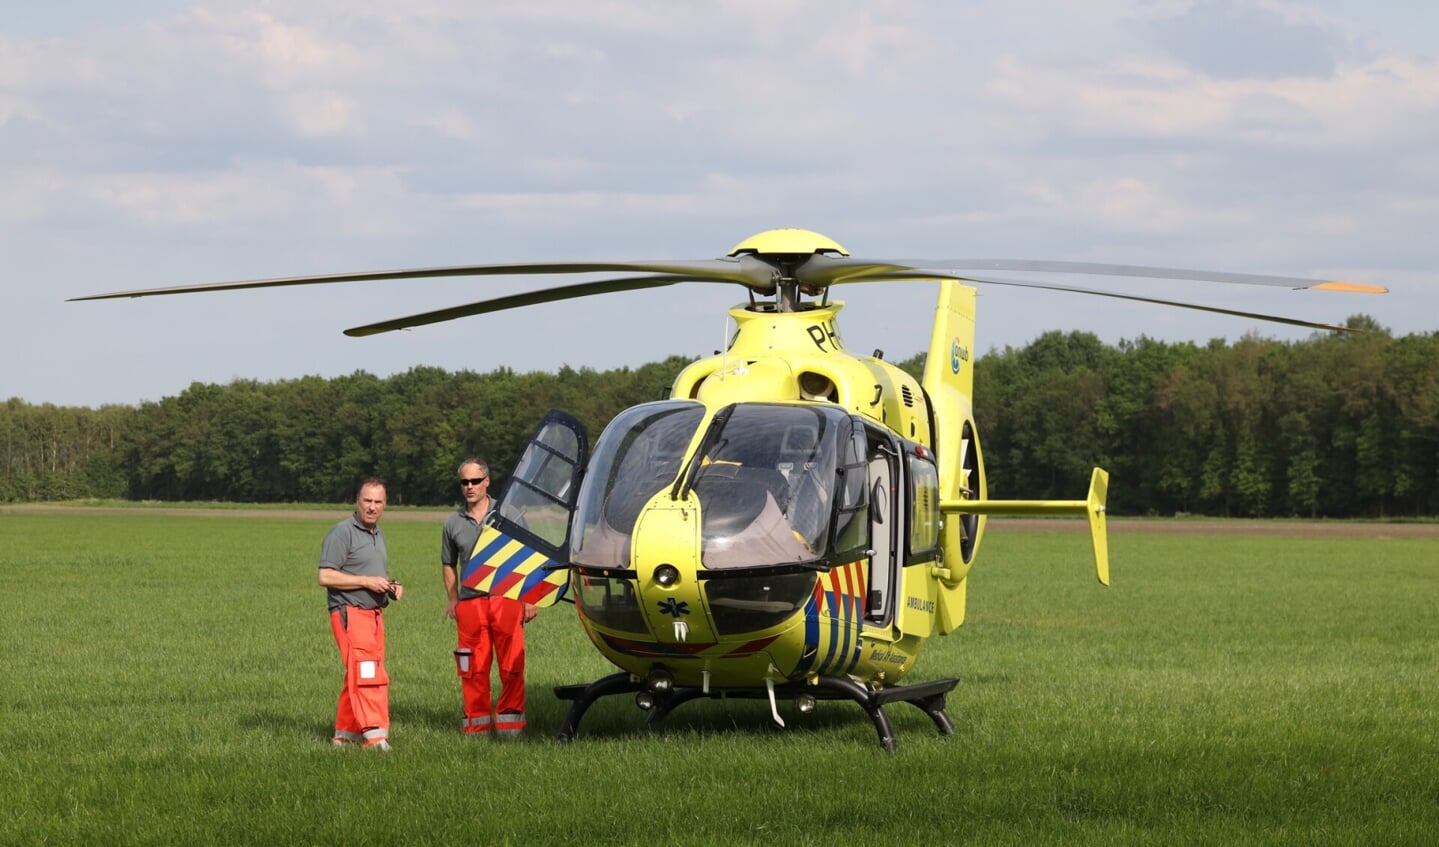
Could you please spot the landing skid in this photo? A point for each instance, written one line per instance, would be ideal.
(928, 697)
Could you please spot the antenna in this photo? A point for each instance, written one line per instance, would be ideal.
(724, 348)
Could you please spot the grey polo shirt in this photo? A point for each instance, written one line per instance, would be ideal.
(354, 550)
(458, 542)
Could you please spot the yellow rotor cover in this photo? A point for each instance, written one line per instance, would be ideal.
(788, 241)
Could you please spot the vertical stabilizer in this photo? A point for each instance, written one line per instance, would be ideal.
(949, 383)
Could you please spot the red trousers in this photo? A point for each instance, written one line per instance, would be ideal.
(491, 626)
(364, 708)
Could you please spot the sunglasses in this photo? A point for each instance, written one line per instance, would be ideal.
(475, 481)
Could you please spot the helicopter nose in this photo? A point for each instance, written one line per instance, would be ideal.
(669, 589)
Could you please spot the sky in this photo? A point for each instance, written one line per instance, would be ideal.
(170, 142)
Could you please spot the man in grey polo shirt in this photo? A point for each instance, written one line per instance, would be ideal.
(354, 570)
(486, 627)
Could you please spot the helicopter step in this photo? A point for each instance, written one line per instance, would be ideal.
(928, 697)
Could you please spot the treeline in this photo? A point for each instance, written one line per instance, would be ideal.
(307, 440)
(1339, 425)
(1334, 426)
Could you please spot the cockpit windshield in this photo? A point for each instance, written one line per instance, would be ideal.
(637, 455)
(765, 477)
(765, 481)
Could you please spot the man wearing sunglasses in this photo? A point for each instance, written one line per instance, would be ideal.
(486, 626)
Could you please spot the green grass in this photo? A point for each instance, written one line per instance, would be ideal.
(171, 679)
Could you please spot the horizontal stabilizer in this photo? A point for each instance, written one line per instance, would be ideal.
(1093, 507)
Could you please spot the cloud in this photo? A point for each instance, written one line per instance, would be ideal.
(355, 202)
(1386, 101)
(1239, 40)
(238, 139)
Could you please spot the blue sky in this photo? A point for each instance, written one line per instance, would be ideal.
(164, 143)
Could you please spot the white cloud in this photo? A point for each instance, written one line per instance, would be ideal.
(1384, 102)
(252, 193)
(323, 113)
(285, 52)
(451, 122)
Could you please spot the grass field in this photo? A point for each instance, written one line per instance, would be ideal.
(170, 679)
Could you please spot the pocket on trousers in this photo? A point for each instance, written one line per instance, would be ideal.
(465, 662)
(369, 670)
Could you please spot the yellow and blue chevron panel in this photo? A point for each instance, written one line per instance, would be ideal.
(504, 567)
(833, 618)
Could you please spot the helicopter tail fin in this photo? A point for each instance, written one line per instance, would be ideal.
(947, 373)
(1097, 509)
(949, 384)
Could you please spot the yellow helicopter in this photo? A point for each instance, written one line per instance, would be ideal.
(796, 520)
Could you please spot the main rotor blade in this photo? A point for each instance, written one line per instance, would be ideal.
(985, 280)
(527, 298)
(745, 270)
(827, 270)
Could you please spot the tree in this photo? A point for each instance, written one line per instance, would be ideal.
(1334, 425)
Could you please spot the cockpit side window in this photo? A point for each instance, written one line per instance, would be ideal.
(924, 515)
(851, 520)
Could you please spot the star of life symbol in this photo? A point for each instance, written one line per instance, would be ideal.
(673, 607)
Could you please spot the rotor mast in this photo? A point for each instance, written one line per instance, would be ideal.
(787, 285)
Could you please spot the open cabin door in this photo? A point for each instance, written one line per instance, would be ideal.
(523, 551)
(886, 516)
